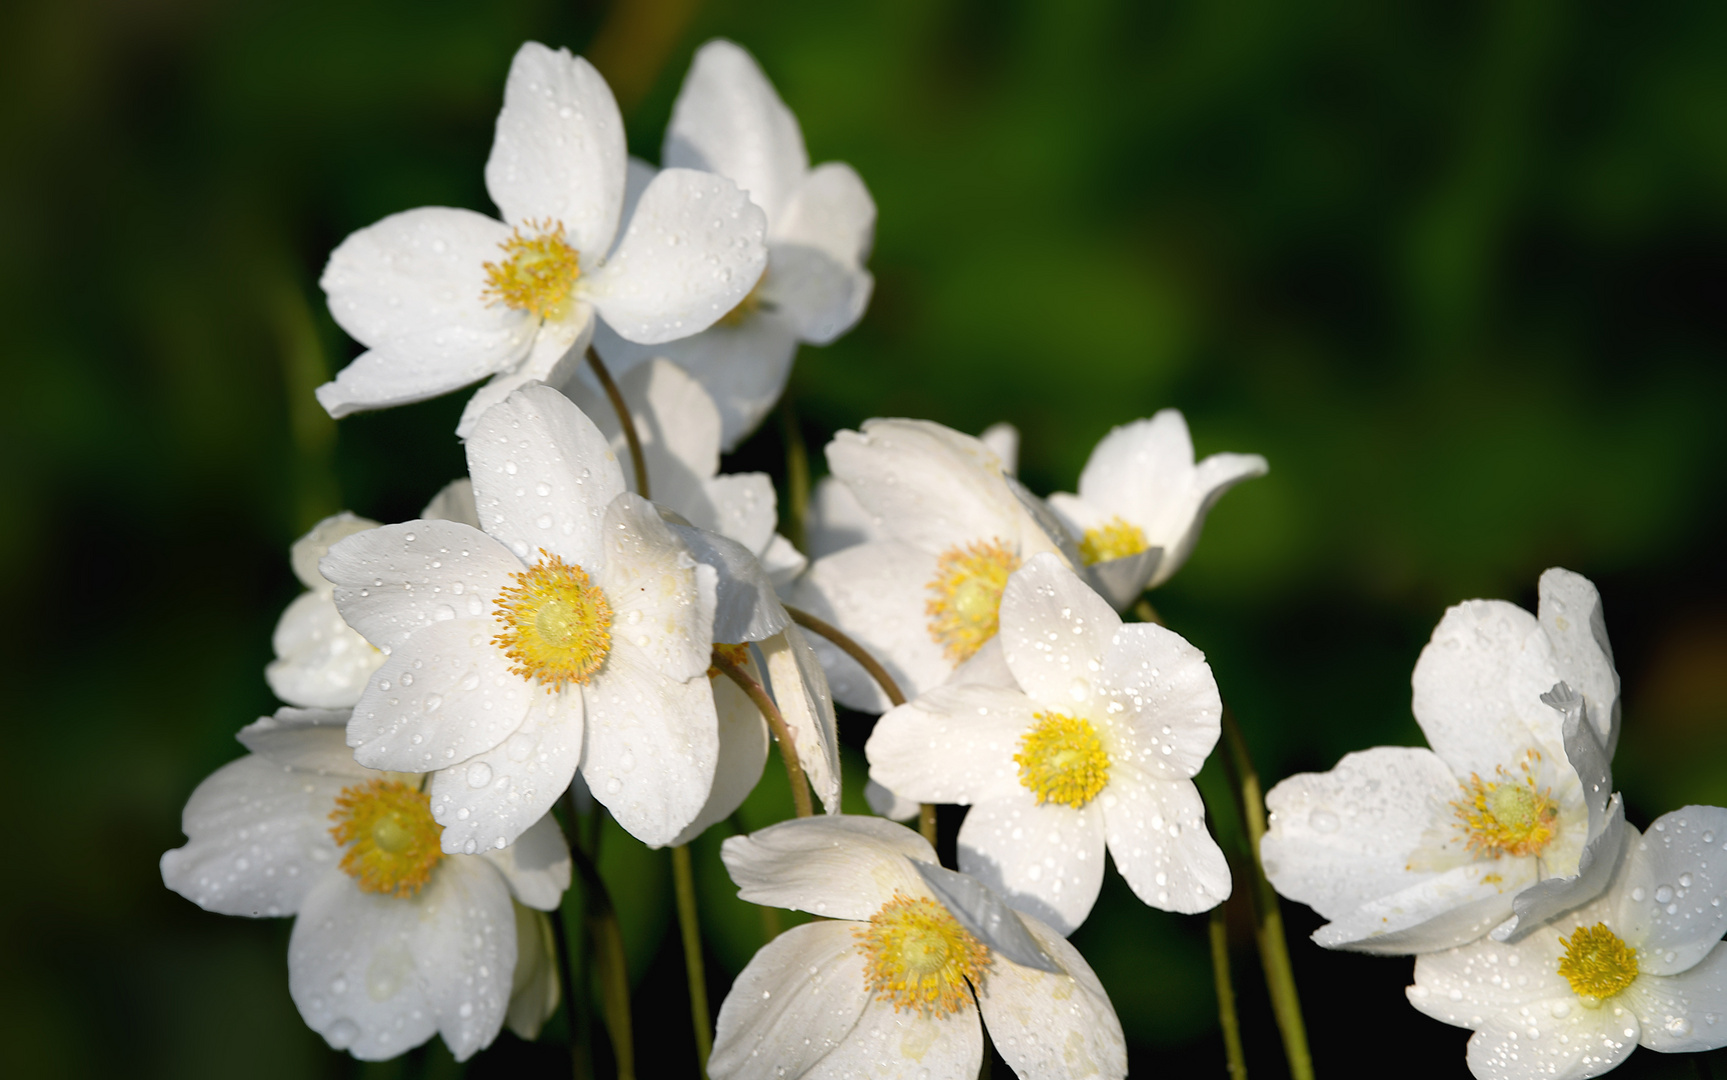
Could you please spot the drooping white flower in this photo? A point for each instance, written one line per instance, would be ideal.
(820, 227)
(1642, 964)
(443, 297)
(576, 628)
(924, 600)
(892, 983)
(1098, 748)
(1504, 823)
(1142, 502)
(395, 940)
(321, 663)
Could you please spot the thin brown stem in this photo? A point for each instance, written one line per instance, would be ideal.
(684, 880)
(608, 940)
(625, 420)
(852, 649)
(1227, 1019)
(926, 825)
(797, 473)
(777, 724)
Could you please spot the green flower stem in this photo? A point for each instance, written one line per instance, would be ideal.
(608, 941)
(625, 420)
(579, 1064)
(1227, 1020)
(684, 879)
(777, 724)
(797, 473)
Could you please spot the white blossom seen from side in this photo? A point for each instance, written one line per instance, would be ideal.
(729, 120)
(394, 940)
(924, 599)
(321, 663)
(1506, 822)
(890, 982)
(1142, 502)
(443, 297)
(575, 629)
(1642, 964)
(1096, 748)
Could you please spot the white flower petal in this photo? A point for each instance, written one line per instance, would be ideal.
(727, 119)
(745, 509)
(309, 740)
(663, 601)
(652, 745)
(558, 351)
(820, 296)
(1044, 860)
(676, 422)
(454, 502)
(1343, 838)
(875, 593)
(321, 662)
(1671, 891)
(953, 744)
(1534, 1043)
(745, 605)
(1171, 714)
(1003, 438)
(837, 520)
(986, 667)
(799, 997)
(889, 804)
(890, 1043)
(353, 970)
(743, 751)
(832, 212)
(930, 486)
(1550, 896)
(440, 699)
(1570, 611)
(782, 562)
(1121, 581)
(1048, 1026)
(691, 253)
(537, 866)
(534, 989)
(843, 866)
(1683, 1013)
(395, 580)
(1464, 986)
(496, 796)
(1054, 633)
(1157, 836)
(543, 476)
(800, 689)
(465, 949)
(1440, 911)
(559, 150)
(309, 549)
(258, 838)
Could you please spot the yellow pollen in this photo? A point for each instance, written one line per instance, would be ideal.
(1062, 760)
(1114, 539)
(965, 598)
(918, 956)
(749, 305)
(1597, 963)
(736, 655)
(1509, 816)
(395, 842)
(557, 624)
(539, 275)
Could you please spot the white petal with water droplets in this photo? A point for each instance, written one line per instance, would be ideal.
(1159, 842)
(492, 798)
(1683, 1013)
(728, 119)
(1046, 860)
(799, 997)
(1054, 633)
(1669, 897)
(465, 949)
(537, 866)
(394, 581)
(1164, 713)
(558, 350)
(743, 751)
(321, 661)
(663, 601)
(842, 866)
(954, 744)
(1052, 1026)
(875, 593)
(890, 1043)
(308, 740)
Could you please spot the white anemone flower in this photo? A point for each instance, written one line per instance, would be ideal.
(1504, 823)
(924, 600)
(394, 939)
(1097, 749)
(1142, 502)
(443, 297)
(820, 227)
(890, 982)
(575, 629)
(1642, 964)
(321, 663)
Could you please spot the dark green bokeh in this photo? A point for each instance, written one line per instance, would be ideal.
(1456, 270)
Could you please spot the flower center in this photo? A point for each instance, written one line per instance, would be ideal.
(918, 956)
(539, 273)
(1509, 816)
(557, 624)
(1114, 539)
(1597, 963)
(1062, 760)
(392, 841)
(966, 596)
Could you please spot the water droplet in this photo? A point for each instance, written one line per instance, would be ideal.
(1560, 1009)
(1079, 689)
(479, 774)
(1684, 881)
(1323, 821)
(434, 702)
(1663, 893)
(342, 1034)
(1638, 894)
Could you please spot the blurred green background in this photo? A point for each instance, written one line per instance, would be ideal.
(1457, 270)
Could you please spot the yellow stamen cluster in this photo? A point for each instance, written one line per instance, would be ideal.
(392, 841)
(1597, 963)
(965, 602)
(1114, 539)
(538, 274)
(1509, 816)
(918, 956)
(1062, 760)
(557, 624)
(735, 655)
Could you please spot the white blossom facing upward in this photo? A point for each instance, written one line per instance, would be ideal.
(395, 940)
(1142, 502)
(575, 629)
(443, 297)
(820, 227)
(1098, 749)
(820, 1000)
(1641, 964)
(924, 600)
(1504, 823)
